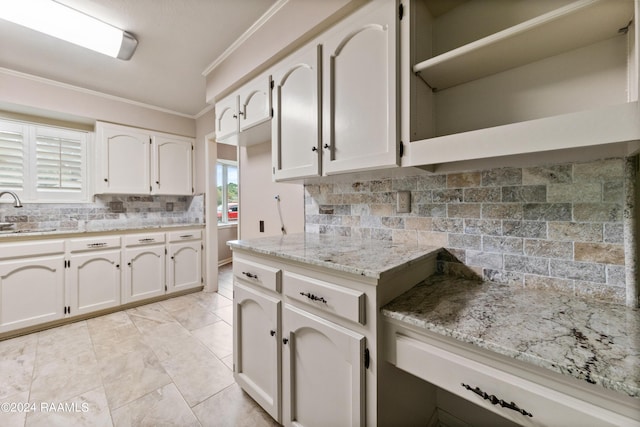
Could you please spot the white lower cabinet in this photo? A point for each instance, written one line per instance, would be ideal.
(295, 352)
(323, 372)
(184, 260)
(93, 276)
(144, 275)
(32, 291)
(256, 349)
(51, 279)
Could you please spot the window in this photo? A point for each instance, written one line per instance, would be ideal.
(227, 179)
(42, 163)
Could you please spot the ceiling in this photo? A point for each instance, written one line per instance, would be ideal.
(177, 41)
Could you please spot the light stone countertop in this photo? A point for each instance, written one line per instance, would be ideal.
(589, 340)
(54, 232)
(369, 258)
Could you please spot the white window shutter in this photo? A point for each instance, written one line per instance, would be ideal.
(12, 156)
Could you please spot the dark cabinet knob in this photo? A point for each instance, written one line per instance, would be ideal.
(272, 332)
(285, 340)
(325, 146)
(314, 149)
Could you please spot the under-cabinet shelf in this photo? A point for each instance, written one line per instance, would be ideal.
(544, 36)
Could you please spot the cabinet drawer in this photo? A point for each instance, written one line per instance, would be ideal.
(341, 301)
(258, 274)
(453, 372)
(94, 243)
(179, 236)
(144, 239)
(28, 249)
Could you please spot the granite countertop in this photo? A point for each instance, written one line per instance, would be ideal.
(53, 232)
(589, 340)
(369, 258)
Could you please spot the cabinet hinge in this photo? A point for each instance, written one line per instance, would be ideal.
(202, 280)
(68, 309)
(401, 11)
(272, 84)
(401, 149)
(150, 188)
(150, 140)
(165, 251)
(366, 358)
(272, 113)
(65, 309)
(165, 288)
(202, 246)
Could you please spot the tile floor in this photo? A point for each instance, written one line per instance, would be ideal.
(163, 364)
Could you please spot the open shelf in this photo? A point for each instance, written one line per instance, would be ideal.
(575, 25)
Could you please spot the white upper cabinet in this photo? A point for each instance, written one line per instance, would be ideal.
(173, 165)
(123, 160)
(135, 161)
(360, 88)
(296, 129)
(488, 78)
(227, 125)
(243, 117)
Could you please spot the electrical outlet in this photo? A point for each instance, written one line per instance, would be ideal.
(403, 202)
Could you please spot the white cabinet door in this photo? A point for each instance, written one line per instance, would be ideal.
(173, 164)
(296, 126)
(360, 86)
(255, 102)
(256, 347)
(323, 372)
(31, 291)
(184, 266)
(227, 124)
(144, 273)
(93, 281)
(123, 159)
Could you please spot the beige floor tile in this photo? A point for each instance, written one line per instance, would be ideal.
(61, 378)
(90, 409)
(183, 302)
(17, 361)
(170, 339)
(225, 313)
(116, 325)
(212, 300)
(162, 407)
(201, 377)
(16, 415)
(218, 337)
(232, 408)
(195, 317)
(131, 376)
(64, 342)
(147, 317)
(228, 361)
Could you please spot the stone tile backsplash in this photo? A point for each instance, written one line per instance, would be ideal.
(557, 226)
(107, 213)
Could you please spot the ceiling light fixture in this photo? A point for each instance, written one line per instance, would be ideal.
(58, 20)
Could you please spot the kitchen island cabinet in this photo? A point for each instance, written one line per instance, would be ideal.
(308, 307)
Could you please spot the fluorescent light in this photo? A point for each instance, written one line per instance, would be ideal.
(58, 20)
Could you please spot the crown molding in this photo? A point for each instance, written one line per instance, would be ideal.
(255, 27)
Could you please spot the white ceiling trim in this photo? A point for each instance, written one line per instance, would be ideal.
(255, 27)
(55, 83)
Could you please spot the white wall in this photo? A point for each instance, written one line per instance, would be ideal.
(257, 196)
(25, 93)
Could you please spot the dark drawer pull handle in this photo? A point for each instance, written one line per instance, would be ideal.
(313, 297)
(186, 236)
(495, 401)
(250, 275)
(147, 240)
(96, 245)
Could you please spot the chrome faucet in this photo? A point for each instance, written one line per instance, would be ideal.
(17, 203)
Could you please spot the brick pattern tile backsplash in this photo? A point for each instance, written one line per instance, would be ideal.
(107, 213)
(557, 226)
